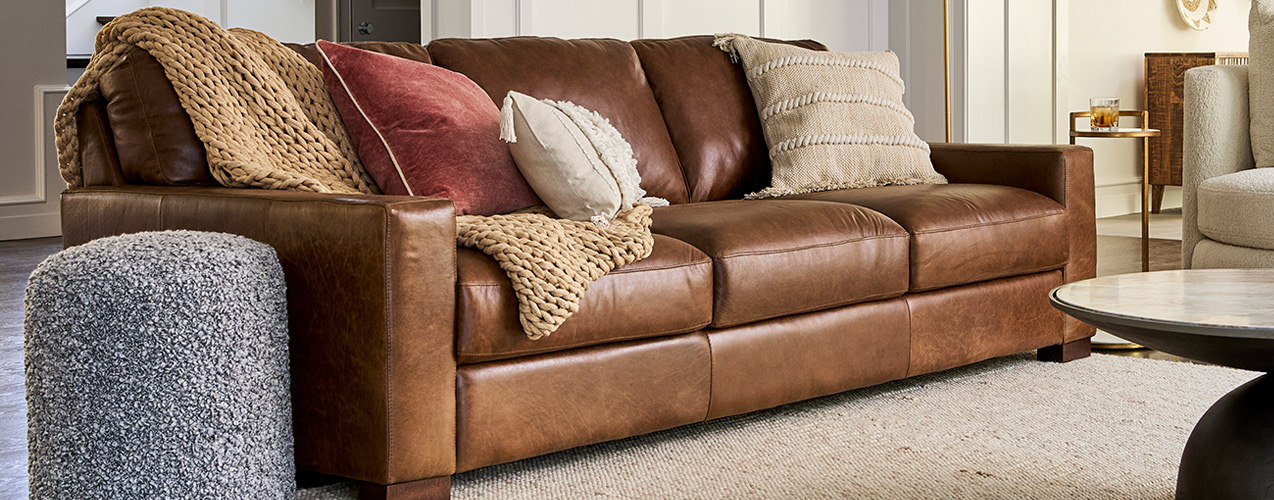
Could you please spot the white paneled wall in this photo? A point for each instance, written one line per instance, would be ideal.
(986, 113)
(1004, 76)
(843, 25)
(31, 87)
(915, 34)
(673, 18)
(1029, 83)
(286, 20)
(581, 18)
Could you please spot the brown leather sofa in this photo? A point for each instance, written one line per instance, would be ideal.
(408, 361)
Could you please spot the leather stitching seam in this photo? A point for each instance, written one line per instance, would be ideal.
(631, 271)
(318, 198)
(987, 224)
(610, 340)
(150, 129)
(809, 247)
(389, 342)
(1038, 269)
(821, 307)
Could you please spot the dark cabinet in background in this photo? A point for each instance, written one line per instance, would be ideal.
(367, 20)
(1165, 96)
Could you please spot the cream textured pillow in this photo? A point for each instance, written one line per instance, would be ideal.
(574, 159)
(1260, 81)
(831, 120)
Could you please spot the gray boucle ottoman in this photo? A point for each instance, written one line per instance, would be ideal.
(157, 367)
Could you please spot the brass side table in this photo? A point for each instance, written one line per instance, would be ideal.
(1144, 134)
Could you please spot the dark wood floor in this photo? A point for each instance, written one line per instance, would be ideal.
(1120, 254)
(18, 259)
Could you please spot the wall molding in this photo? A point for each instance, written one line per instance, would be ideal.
(40, 136)
(428, 13)
(21, 227)
(1121, 181)
(1122, 195)
(1061, 71)
(522, 18)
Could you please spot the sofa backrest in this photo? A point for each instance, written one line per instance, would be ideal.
(153, 135)
(599, 74)
(682, 104)
(710, 115)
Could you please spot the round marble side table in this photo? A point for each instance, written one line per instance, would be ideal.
(1220, 316)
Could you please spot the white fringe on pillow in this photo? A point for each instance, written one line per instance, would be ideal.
(615, 152)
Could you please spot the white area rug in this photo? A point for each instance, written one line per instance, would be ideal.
(1101, 427)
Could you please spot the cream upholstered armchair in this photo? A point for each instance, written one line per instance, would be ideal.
(1228, 204)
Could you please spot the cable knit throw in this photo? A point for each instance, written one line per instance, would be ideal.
(260, 109)
(552, 261)
(267, 121)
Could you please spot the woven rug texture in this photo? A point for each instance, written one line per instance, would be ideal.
(1013, 427)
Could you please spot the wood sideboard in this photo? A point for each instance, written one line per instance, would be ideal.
(1165, 95)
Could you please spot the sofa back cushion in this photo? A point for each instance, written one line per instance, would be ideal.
(710, 115)
(422, 130)
(153, 135)
(603, 75)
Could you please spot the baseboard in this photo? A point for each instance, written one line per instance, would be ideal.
(21, 227)
(1125, 198)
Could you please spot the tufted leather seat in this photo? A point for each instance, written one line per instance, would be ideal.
(777, 257)
(667, 293)
(965, 233)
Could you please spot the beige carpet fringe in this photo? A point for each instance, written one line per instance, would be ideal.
(261, 110)
(267, 121)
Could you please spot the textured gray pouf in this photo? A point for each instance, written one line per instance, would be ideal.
(157, 367)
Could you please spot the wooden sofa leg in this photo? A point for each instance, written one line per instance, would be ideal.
(1069, 351)
(434, 488)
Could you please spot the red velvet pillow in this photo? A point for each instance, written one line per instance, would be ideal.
(422, 130)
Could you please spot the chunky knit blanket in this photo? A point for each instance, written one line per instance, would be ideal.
(552, 261)
(267, 121)
(260, 109)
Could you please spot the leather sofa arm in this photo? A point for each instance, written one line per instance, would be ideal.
(371, 306)
(1063, 173)
(1053, 171)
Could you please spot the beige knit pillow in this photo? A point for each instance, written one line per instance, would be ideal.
(558, 161)
(831, 120)
(574, 159)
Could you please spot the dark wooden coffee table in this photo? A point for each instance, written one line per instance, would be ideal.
(1221, 316)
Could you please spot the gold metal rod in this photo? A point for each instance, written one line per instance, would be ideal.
(1145, 209)
(946, 62)
(1145, 194)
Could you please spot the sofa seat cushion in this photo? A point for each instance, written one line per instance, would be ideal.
(1238, 208)
(773, 258)
(667, 293)
(964, 233)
